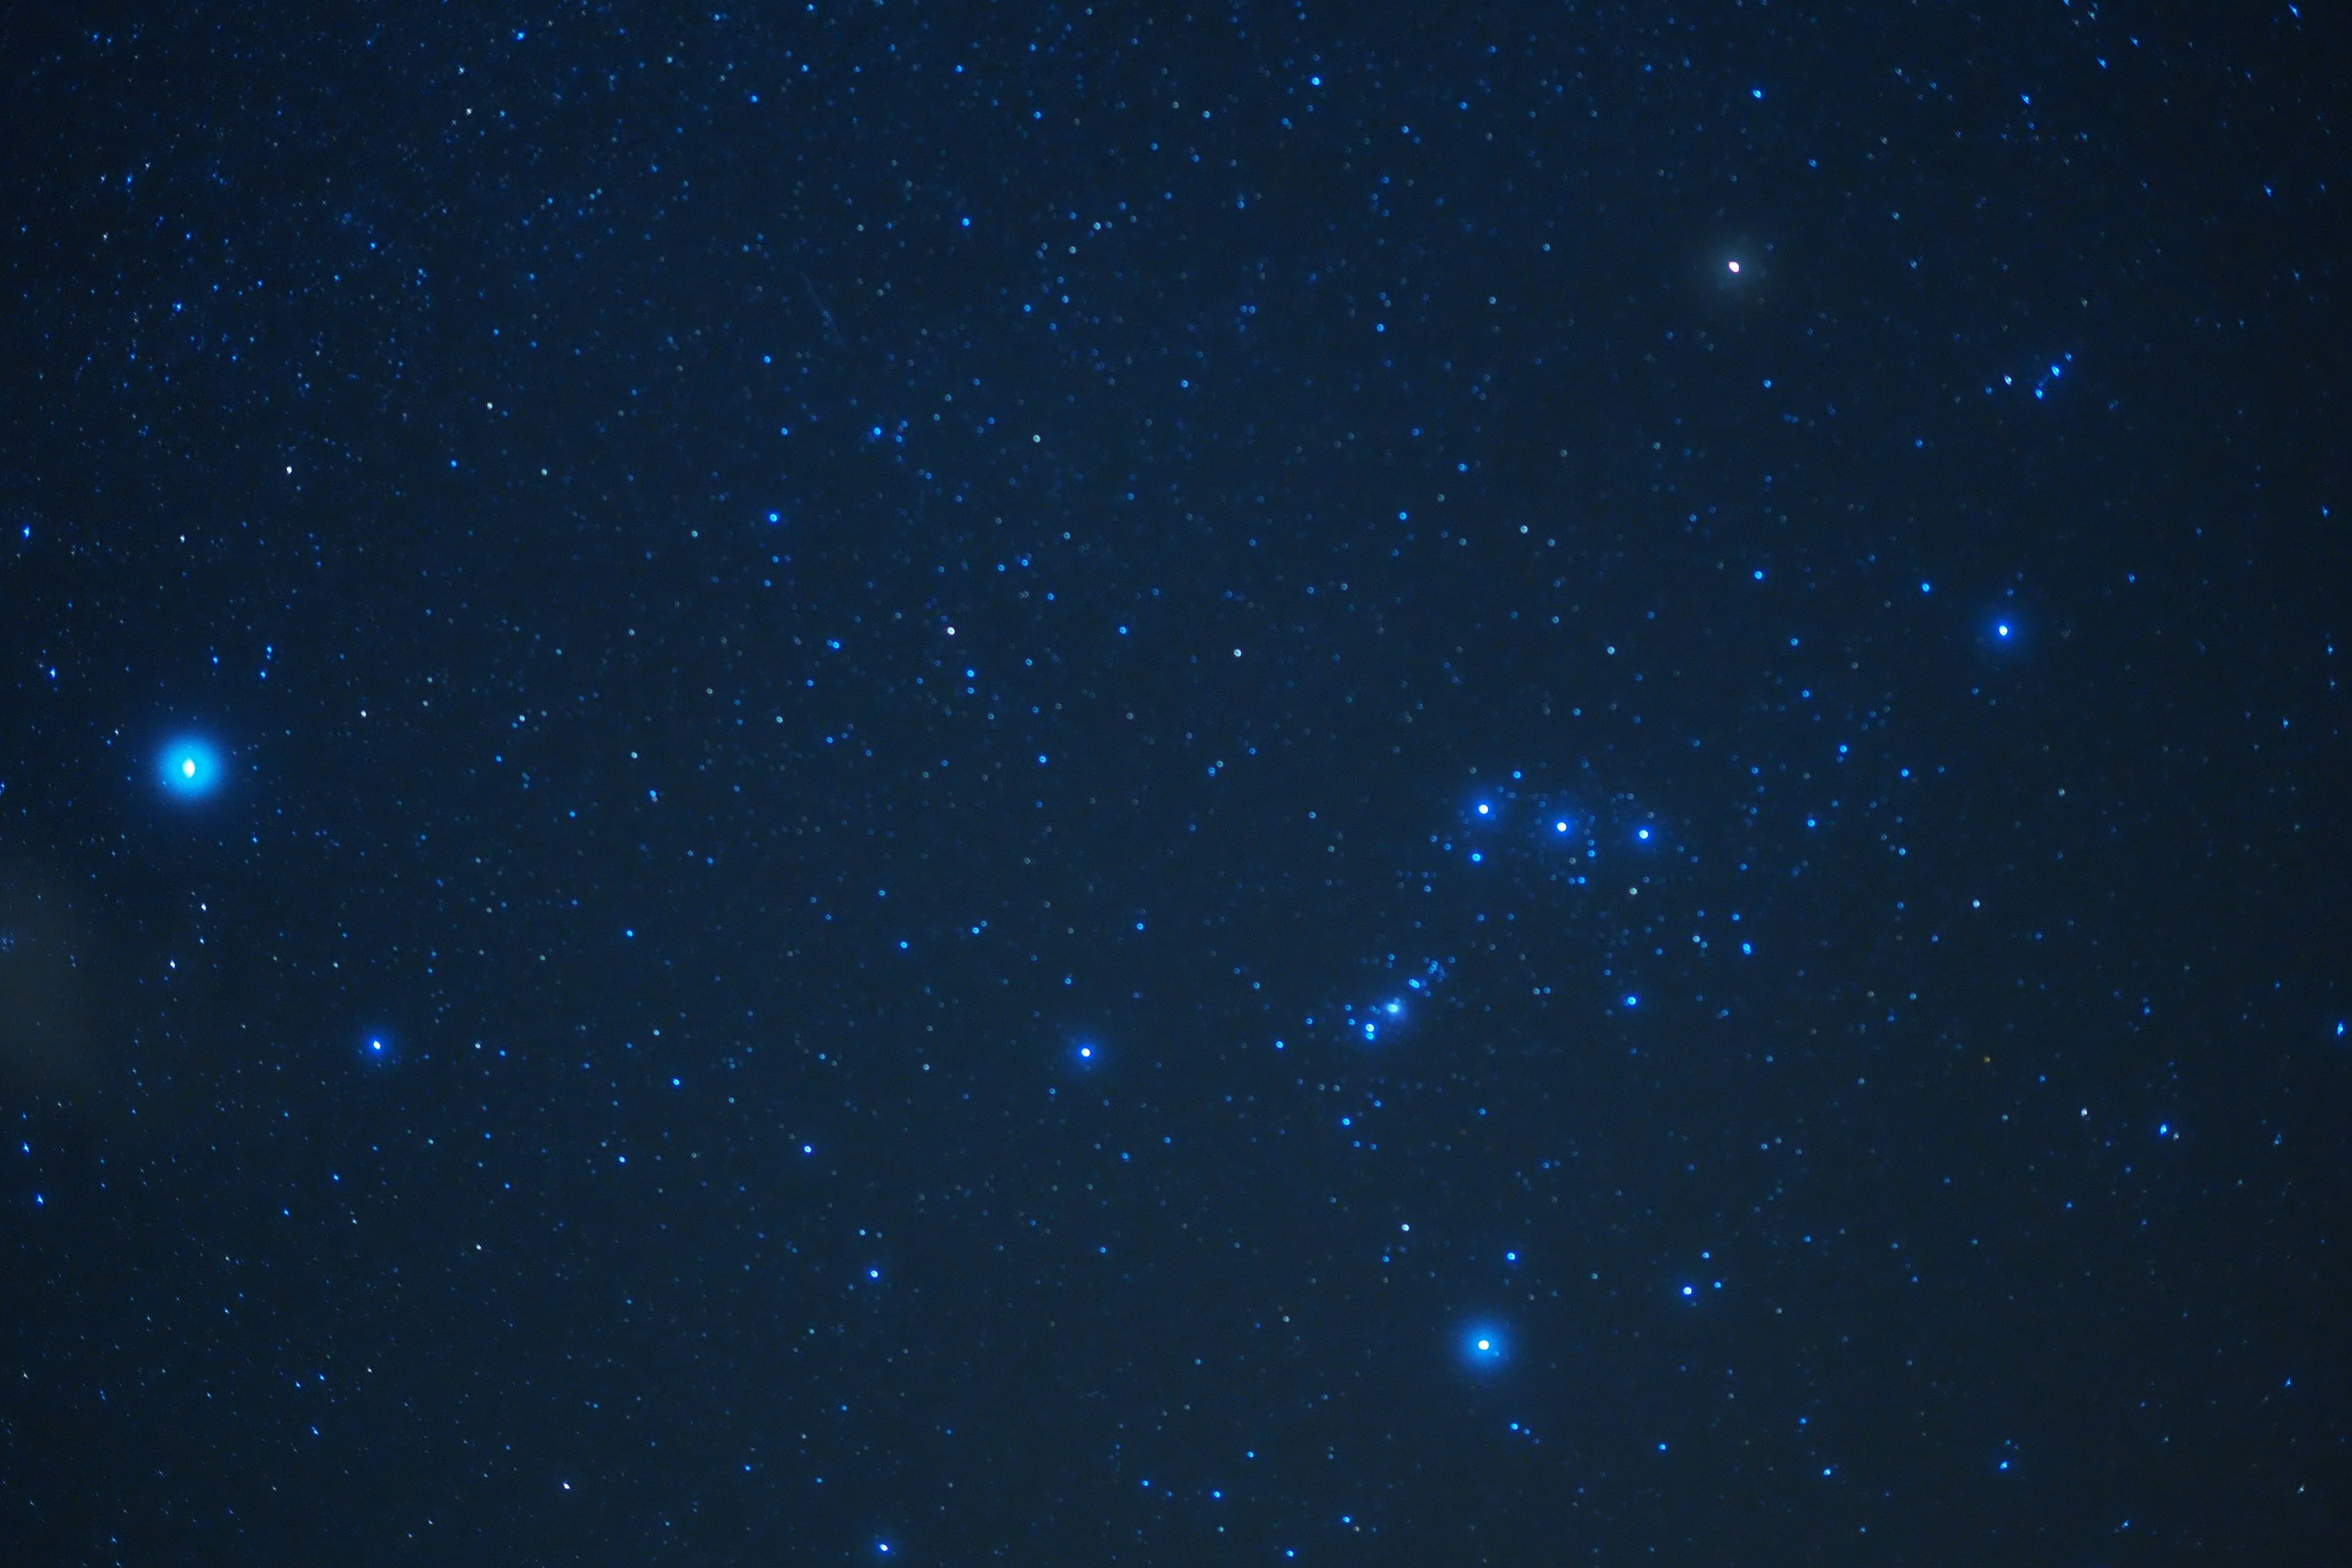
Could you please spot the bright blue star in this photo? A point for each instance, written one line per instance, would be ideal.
(190, 768)
(1484, 1346)
(2000, 629)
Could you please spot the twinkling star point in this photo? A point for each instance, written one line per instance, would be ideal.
(189, 767)
(1485, 1346)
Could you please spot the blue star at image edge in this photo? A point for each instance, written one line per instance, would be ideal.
(190, 768)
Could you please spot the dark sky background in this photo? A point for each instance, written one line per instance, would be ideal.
(983, 766)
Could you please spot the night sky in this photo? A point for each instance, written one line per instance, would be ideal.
(882, 781)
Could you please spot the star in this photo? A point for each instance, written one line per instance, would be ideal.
(1484, 1346)
(190, 768)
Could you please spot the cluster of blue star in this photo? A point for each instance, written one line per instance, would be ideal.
(1511, 818)
(2041, 382)
(1542, 839)
(1387, 1016)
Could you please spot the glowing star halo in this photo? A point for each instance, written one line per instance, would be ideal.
(1484, 1346)
(189, 768)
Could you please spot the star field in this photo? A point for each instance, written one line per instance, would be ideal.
(1264, 785)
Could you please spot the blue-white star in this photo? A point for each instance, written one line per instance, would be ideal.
(190, 768)
(1484, 1346)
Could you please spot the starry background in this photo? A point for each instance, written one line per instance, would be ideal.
(981, 769)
